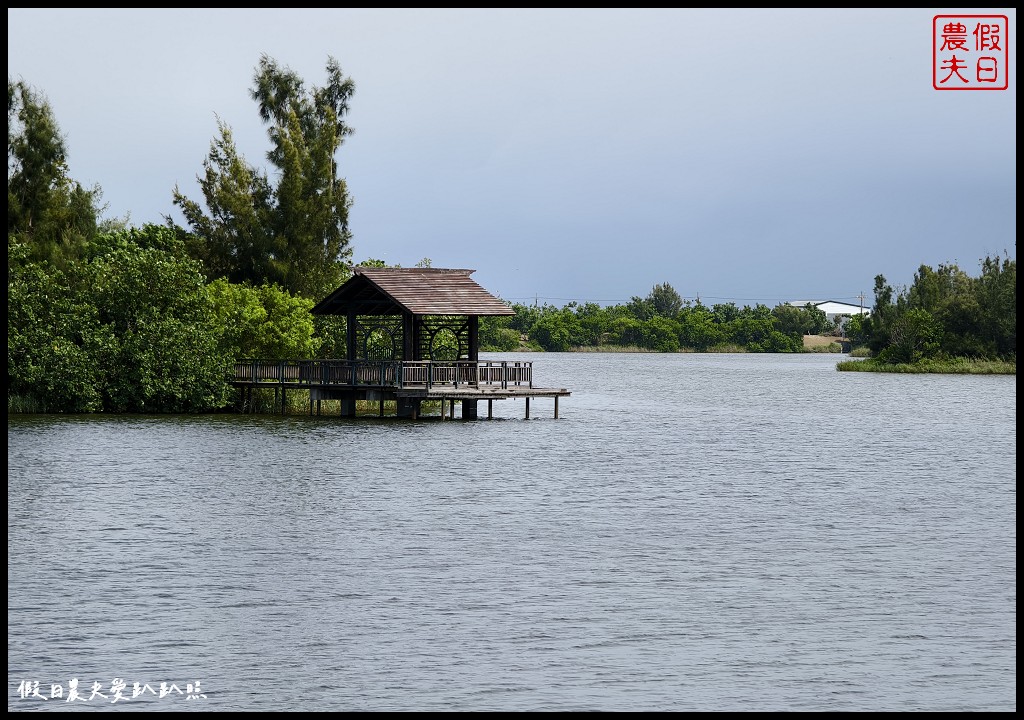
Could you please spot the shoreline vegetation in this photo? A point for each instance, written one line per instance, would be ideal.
(834, 347)
(951, 366)
(860, 359)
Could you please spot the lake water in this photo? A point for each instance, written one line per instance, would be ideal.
(694, 533)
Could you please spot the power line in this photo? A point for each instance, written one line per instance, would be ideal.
(543, 297)
(698, 298)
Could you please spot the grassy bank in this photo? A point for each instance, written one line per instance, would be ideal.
(830, 348)
(953, 366)
(24, 404)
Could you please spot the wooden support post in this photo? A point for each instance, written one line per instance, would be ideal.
(407, 408)
(382, 407)
(348, 406)
(527, 408)
(556, 407)
(469, 409)
(350, 337)
(451, 409)
(284, 403)
(490, 409)
(408, 337)
(474, 337)
(442, 409)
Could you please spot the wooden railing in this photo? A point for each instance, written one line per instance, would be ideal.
(408, 374)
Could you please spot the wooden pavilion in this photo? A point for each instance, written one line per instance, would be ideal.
(411, 334)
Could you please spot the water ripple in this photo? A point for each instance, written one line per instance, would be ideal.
(695, 533)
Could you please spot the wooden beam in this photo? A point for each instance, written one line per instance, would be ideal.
(417, 338)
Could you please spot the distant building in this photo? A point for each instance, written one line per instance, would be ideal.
(833, 308)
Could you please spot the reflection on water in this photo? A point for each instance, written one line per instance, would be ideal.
(696, 532)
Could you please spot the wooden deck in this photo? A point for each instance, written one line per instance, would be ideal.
(409, 382)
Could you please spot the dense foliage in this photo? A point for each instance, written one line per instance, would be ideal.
(944, 314)
(132, 326)
(126, 327)
(263, 322)
(659, 322)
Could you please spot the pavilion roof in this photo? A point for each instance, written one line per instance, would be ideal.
(420, 291)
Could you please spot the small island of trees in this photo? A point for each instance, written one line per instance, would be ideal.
(947, 321)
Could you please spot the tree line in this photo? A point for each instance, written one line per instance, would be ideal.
(945, 313)
(660, 322)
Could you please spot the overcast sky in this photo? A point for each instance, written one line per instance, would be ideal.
(740, 154)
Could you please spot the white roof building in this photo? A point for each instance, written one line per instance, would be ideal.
(833, 308)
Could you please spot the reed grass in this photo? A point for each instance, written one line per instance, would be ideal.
(951, 366)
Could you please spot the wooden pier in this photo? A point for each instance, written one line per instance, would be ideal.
(411, 336)
(407, 383)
